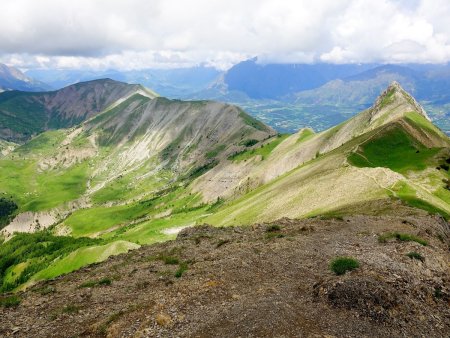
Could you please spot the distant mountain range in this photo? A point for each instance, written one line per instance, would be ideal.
(169, 82)
(320, 95)
(11, 78)
(285, 96)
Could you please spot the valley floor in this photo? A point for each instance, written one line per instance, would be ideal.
(267, 280)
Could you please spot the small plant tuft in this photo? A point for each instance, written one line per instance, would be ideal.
(169, 260)
(273, 228)
(10, 301)
(438, 292)
(105, 281)
(181, 269)
(341, 265)
(71, 309)
(401, 238)
(45, 290)
(415, 255)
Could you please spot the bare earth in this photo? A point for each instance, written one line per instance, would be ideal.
(251, 282)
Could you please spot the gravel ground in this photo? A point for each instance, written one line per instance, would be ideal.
(267, 280)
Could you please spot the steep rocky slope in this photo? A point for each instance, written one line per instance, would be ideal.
(268, 280)
(23, 114)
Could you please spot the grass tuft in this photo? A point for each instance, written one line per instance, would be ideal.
(273, 228)
(169, 260)
(401, 238)
(182, 268)
(10, 301)
(415, 255)
(341, 265)
(101, 282)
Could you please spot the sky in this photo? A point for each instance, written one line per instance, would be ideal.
(136, 34)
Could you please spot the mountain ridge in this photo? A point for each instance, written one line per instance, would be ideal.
(327, 154)
(23, 114)
(144, 168)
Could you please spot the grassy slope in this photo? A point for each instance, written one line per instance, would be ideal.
(305, 134)
(264, 150)
(82, 257)
(26, 254)
(399, 151)
(29, 114)
(319, 185)
(132, 184)
(34, 190)
(88, 222)
(396, 150)
(295, 194)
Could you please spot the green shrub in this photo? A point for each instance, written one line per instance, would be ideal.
(213, 153)
(415, 255)
(273, 228)
(341, 265)
(7, 210)
(9, 301)
(105, 281)
(45, 290)
(249, 142)
(438, 292)
(181, 269)
(88, 284)
(401, 237)
(199, 171)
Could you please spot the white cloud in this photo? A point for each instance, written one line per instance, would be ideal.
(171, 33)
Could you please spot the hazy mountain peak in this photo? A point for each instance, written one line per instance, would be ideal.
(13, 79)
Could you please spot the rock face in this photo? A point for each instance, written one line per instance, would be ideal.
(396, 94)
(268, 280)
(181, 132)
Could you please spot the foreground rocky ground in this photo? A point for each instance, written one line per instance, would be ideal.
(268, 280)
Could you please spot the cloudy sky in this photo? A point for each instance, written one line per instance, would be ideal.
(133, 34)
